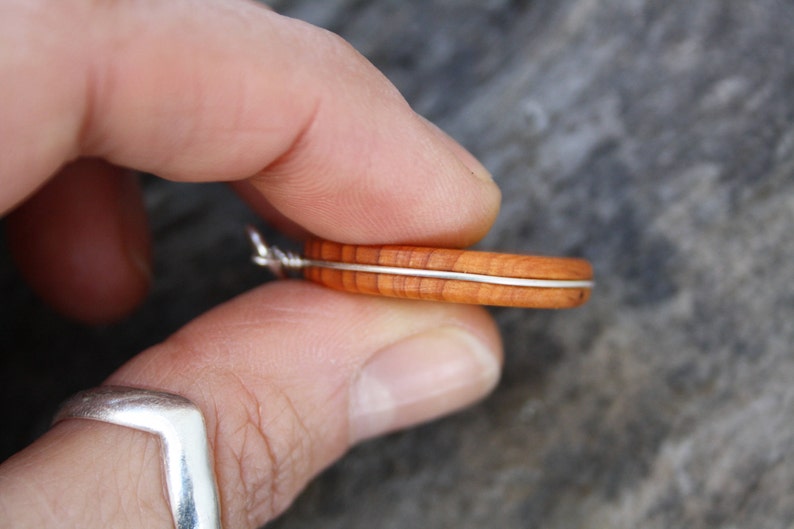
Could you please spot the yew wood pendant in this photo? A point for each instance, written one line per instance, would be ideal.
(436, 274)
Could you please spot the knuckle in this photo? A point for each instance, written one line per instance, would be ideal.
(263, 452)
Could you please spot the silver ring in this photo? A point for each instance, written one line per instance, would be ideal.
(189, 476)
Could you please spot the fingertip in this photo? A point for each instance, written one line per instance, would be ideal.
(487, 197)
(467, 158)
(82, 242)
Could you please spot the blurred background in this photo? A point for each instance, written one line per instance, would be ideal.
(655, 138)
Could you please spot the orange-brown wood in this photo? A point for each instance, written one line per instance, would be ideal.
(487, 263)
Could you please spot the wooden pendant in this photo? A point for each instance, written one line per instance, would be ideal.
(437, 274)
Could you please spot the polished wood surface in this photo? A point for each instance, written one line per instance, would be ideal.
(445, 259)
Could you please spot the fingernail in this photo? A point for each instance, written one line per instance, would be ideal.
(465, 157)
(420, 378)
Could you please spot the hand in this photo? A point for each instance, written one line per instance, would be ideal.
(289, 375)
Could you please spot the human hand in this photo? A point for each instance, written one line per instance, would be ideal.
(289, 375)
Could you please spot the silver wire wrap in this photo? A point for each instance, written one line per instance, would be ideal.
(277, 261)
(272, 257)
(189, 475)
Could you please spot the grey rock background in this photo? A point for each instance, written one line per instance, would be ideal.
(654, 137)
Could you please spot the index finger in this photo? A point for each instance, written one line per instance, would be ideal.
(199, 91)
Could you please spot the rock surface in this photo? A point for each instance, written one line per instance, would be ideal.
(655, 138)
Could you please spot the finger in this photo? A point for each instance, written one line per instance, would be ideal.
(82, 242)
(284, 391)
(262, 207)
(219, 90)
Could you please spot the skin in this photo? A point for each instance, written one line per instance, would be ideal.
(317, 141)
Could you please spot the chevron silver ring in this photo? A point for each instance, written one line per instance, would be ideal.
(179, 424)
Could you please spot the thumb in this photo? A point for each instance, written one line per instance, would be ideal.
(288, 377)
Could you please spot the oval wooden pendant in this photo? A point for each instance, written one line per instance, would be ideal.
(435, 274)
(442, 274)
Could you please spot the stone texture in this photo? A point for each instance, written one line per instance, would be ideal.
(655, 138)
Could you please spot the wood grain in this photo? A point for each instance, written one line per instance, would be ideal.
(487, 263)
